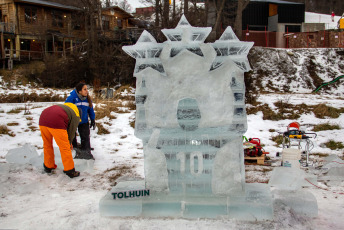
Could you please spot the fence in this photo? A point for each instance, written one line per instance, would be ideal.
(318, 39)
(261, 38)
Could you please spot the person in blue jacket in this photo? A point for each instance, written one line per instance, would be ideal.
(80, 97)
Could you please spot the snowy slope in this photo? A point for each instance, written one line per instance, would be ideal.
(296, 70)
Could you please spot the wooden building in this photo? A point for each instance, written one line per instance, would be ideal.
(115, 23)
(145, 11)
(274, 16)
(32, 28)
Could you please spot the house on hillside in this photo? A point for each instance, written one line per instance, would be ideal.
(272, 16)
(31, 27)
(145, 11)
(116, 23)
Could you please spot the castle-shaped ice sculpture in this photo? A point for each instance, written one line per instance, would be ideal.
(190, 115)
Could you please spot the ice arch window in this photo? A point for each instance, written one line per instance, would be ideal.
(188, 114)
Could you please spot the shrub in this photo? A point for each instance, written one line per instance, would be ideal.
(101, 129)
(120, 90)
(333, 145)
(132, 124)
(322, 111)
(20, 98)
(325, 126)
(4, 130)
(131, 105)
(105, 108)
(16, 110)
(278, 139)
(13, 124)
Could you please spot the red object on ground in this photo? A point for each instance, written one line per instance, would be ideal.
(295, 125)
(256, 150)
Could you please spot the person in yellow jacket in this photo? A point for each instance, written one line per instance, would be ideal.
(59, 122)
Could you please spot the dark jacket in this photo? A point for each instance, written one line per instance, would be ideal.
(61, 117)
(83, 105)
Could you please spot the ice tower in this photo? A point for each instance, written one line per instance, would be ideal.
(191, 117)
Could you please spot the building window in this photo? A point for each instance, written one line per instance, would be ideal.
(77, 22)
(292, 28)
(106, 22)
(57, 18)
(25, 44)
(119, 23)
(30, 15)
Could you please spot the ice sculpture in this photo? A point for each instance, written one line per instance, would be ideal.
(21, 155)
(190, 115)
(333, 170)
(292, 179)
(288, 190)
(300, 201)
(27, 154)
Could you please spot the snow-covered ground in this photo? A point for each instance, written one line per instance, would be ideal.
(30, 199)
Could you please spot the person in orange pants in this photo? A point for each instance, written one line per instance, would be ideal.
(59, 122)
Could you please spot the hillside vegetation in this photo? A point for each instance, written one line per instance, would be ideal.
(294, 70)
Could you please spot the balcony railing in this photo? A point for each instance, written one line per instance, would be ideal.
(6, 27)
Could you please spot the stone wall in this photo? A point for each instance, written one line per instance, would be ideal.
(319, 39)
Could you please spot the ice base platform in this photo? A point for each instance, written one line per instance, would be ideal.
(130, 200)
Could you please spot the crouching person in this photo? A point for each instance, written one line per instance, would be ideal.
(59, 122)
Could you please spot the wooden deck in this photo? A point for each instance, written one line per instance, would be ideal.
(260, 160)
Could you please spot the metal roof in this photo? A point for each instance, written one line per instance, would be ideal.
(47, 3)
(277, 2)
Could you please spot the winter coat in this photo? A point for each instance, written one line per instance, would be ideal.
(83, 105)
(64, 116)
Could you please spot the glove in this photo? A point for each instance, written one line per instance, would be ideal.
(93, 124)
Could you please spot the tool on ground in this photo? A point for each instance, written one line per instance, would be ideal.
(294, 136)
(294, 132)
(253, 148)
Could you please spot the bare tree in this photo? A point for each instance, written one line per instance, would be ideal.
(123, 4)
(165, 18)
(157, 12)
(108, 3)
(238, 19)
(186, 7)
(235, 14)
(219, 9)
(174, 9)
(206, 12)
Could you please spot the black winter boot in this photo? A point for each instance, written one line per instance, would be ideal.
(72, 173)
(89, 156)
(83, 154)
(48, 170)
